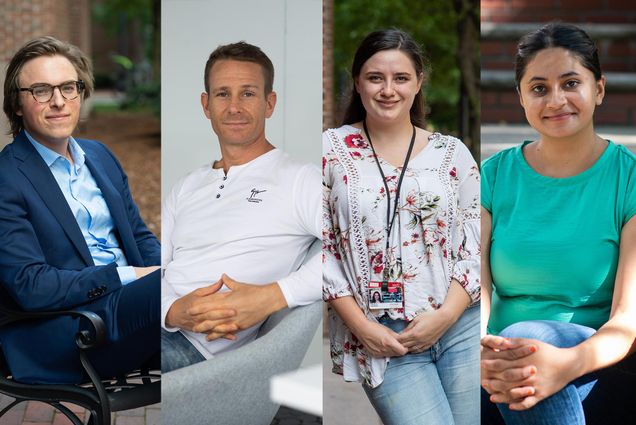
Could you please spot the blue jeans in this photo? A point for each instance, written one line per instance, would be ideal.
(177, 351)
(437, 386)
(566, 406)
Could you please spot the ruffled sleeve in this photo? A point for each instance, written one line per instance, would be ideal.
(335, 283)
(466, 267)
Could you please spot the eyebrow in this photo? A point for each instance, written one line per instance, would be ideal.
(244, 86)
(566, 75)
(382, 73)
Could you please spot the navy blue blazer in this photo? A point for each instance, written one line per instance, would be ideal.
(45, 263)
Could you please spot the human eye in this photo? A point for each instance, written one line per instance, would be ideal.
(402, 78)
(538, 89)
(571, 84)
(68, 88)
(374, 78)
(42, 90)
(221, 93)
(248, 93)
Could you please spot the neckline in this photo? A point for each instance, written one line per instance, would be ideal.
(235, 168)
(583, 175)
(414, 157)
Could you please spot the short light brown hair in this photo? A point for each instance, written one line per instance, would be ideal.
(245, 52)
(41, 46)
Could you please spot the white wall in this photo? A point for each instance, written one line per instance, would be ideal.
(288, 31)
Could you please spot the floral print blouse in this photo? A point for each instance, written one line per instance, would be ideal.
(435, 237)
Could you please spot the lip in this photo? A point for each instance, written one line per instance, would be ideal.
(61, 117)
(387, 103)
(559, 117)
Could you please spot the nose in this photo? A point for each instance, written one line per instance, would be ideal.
(57, 100)
(387, 88)
(556, 98)
(234, 107)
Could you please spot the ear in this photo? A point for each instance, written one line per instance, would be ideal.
(204, 104)
(270, 101)
(600, 90)
(356, 82)
(420, 81)
(520, 98)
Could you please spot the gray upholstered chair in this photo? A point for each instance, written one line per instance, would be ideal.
(210, 393)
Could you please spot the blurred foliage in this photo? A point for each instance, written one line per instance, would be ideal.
(144, 96)
(138, 77)
(432, 23)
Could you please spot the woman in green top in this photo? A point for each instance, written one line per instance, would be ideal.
(558, 240)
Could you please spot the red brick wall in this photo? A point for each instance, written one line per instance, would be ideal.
(22, 20)
(599, 11)
(615, 56)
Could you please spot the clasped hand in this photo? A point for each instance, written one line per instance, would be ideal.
(521, 372)
(423, 331)
(221, 314)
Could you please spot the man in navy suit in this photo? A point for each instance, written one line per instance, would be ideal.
(70, 233)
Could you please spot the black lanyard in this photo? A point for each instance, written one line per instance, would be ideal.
(390, 219)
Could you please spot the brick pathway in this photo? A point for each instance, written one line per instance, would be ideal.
(36, 413)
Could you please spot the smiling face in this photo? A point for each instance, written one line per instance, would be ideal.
(387, 85)
(237, 104)
(50, 123)
(559, 94)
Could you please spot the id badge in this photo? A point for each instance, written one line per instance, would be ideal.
(380, 298)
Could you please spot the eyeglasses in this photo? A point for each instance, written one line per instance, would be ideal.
(43, 93)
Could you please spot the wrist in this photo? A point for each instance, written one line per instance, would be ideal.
(577, 359)
(450, 313)
(275, 298)
(170, 316)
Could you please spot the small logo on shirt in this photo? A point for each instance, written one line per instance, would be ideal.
(253, 195)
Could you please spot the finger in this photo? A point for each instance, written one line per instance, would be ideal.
(499, 343)
(229, 282)
(518, 374)
(494, 366)
(208, 290)
(409, 344)
(498, 385)
(524, 404)
(398, 348)
(211, 325)
(515, 395)
(216, 335)
(215, 309)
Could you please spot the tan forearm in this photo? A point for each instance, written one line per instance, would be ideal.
(486, 277)
(349, 311)
(457, 299)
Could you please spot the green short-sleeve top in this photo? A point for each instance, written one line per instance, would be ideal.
(555, 241)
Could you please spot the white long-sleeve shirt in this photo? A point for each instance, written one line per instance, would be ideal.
(254, 224)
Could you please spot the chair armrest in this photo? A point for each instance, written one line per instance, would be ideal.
(11, 314)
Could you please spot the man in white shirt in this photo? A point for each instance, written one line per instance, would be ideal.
(249, 217)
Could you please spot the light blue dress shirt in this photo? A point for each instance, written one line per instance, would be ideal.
(87, 205)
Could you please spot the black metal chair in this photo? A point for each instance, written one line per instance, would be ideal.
(100, 397)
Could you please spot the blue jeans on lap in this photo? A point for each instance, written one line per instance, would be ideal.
(177, 351)
(437, 386)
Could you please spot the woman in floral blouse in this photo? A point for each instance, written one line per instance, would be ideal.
(401, 217)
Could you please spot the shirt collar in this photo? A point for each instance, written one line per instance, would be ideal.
(50, 156)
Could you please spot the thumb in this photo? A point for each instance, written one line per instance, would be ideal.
(229, 282)
(211, 289)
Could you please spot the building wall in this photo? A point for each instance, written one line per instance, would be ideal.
(617, 55)
(23, 20)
